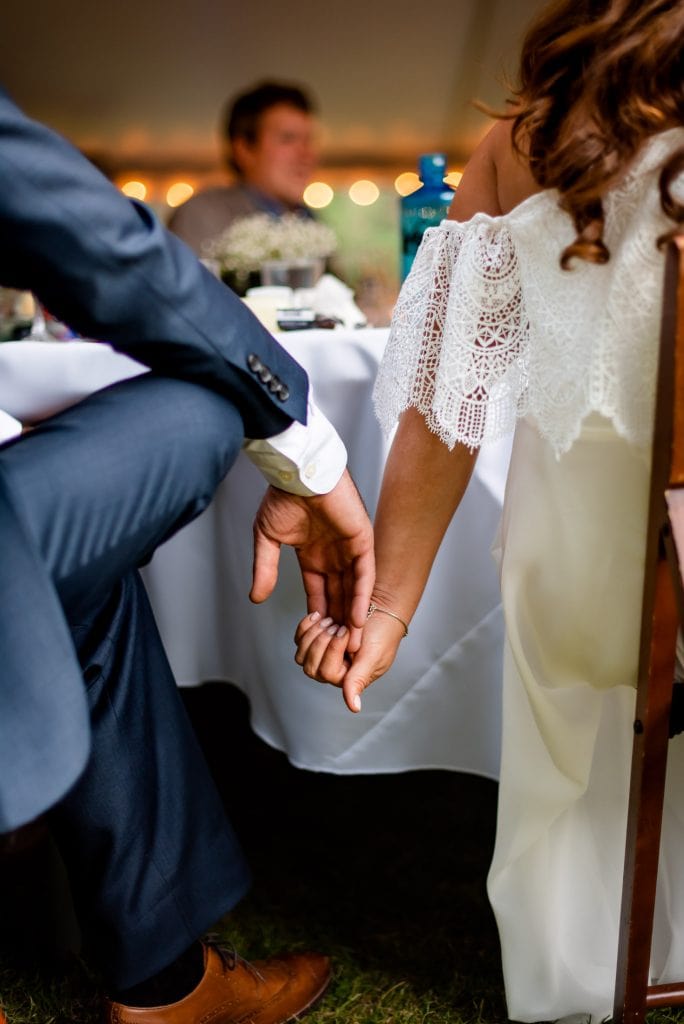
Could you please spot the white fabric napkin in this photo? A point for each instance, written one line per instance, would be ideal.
(331, 297)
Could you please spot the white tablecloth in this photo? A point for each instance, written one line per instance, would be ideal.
(439, 706)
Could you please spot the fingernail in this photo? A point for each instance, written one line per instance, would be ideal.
(325, 622)
(314, 617)
(331, 630)
(356, 703)
(342, 631)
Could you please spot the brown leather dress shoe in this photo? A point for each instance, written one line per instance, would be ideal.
(263, 992)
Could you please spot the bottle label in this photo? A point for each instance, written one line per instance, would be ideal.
(413, 223)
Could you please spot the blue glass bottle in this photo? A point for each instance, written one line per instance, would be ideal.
(425, 207)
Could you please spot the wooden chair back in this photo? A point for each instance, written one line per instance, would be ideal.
(662, 614)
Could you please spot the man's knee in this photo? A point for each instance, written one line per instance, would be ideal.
(140, 434)
(103, 483)
(203, 427)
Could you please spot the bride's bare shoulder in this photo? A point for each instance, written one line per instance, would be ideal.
(496, 177)
(514, 179)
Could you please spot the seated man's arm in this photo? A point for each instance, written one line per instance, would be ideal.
(105, 265)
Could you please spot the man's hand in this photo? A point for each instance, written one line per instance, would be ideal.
(333, 538)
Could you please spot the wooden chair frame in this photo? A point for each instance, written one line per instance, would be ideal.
(662, 612)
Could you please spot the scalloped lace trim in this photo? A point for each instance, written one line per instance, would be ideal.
(488, 328)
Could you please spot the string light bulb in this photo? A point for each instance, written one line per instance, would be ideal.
(178, 193)
(453, 178)
(318, 195)
(364, 192)
(406, 183)
(134, 189)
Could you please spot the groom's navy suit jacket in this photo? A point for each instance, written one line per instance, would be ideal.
(104, 265)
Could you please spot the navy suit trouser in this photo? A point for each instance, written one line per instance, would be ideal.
(84, 499)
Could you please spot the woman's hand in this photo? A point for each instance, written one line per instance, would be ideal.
(322, 653)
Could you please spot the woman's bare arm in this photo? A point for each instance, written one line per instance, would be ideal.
(423, 482)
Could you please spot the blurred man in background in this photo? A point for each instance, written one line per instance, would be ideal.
(269, 138)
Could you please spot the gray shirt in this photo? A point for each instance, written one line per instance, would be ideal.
(208, 213)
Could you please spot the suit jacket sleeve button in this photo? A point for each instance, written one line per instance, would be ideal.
(254, 362)
(283, 393)
(265, 375)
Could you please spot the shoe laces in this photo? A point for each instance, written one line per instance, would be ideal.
(229, 956)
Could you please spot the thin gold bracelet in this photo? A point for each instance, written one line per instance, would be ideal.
(373, 608)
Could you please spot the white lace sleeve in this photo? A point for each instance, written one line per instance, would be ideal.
(458, 345)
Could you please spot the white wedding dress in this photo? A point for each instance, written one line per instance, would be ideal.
(488, 333)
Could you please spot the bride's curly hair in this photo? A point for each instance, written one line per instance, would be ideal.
(597, 78)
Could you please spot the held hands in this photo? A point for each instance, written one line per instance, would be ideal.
(333, 540)
(324, 654)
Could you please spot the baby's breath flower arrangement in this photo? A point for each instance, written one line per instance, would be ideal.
(251, 241)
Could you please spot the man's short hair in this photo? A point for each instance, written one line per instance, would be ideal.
(243, 114)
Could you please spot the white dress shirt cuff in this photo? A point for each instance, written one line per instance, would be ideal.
(304, 460)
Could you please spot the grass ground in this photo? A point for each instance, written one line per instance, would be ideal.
(385, 873)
